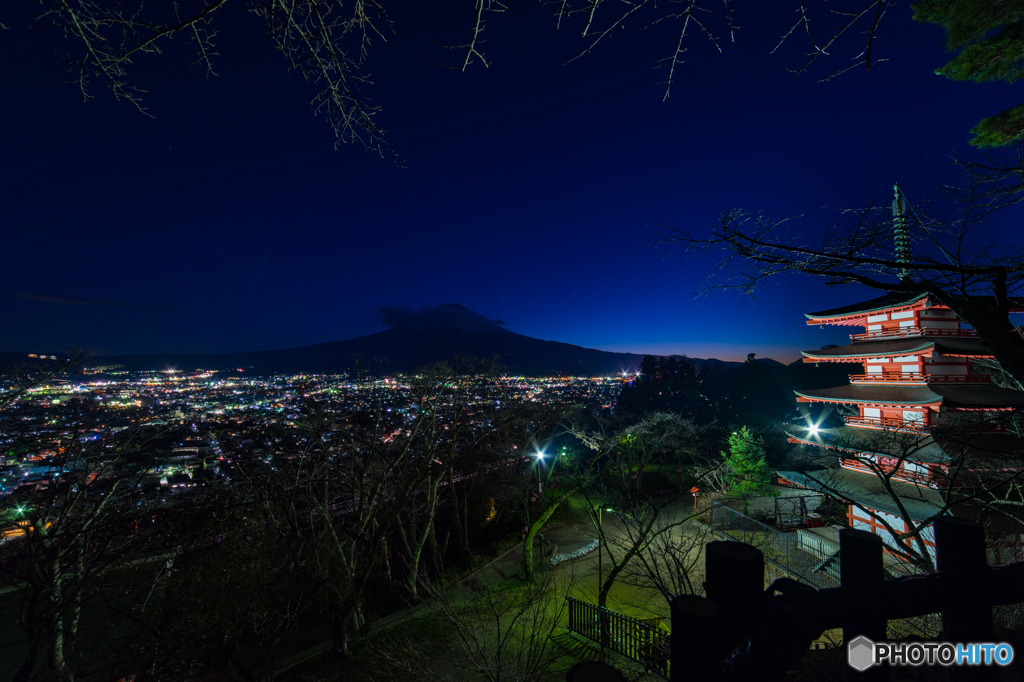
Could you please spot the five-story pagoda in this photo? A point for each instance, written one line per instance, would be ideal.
(925, 434)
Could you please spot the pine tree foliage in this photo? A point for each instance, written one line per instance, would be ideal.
(989, 35)
(749, 473)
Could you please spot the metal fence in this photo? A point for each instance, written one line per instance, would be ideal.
(627, 636)
(780, 549)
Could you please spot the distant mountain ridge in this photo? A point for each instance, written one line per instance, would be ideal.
(415, 339)
(402, 350)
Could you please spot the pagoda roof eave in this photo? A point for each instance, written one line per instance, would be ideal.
(873, 442)
(856, 312)
(867, 490)
(880, 402)
(853, 311)
(935, 446)
(968, 397)
(956, 347)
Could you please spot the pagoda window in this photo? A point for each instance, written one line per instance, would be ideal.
(905, 315)
(874, 327)
(875, 369)
(913, 417)
(887, 464)
(860, 524)
(897, 524)
(918, 473)
(879, 318)
(872, 413)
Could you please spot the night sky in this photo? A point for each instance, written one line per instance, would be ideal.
(528, 190)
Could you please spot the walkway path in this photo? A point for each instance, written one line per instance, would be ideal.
(577, 556)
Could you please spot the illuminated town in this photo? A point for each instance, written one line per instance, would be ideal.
(200, 424)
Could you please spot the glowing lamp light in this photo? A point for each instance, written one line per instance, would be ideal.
(539, 455)
(813, 430)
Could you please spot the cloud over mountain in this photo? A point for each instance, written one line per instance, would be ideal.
(451, 316)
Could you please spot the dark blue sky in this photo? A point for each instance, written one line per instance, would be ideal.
(529, 190)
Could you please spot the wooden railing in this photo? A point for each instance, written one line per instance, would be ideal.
(897, 468)
(740, 631)
(918, 376)
(912, 427)
(626, 636)
(903, 332)
(885, 423)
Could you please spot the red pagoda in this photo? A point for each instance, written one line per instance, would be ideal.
(904, 453)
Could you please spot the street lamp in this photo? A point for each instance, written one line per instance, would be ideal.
(540, 458)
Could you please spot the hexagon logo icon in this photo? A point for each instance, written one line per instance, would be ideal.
(860, 653)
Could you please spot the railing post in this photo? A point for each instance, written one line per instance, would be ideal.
(734, 581)
(960, 548)
(861, 568)
(646, 650)
(695, 645)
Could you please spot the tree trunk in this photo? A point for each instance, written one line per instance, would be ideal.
(460, 529)
(58, 662)
(35, 638)
(28, 666)
(76, 602)
(466, 549)
(426, 533)
(531, 534)
(341, 619)
(386, 553)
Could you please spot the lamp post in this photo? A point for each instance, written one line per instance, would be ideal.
(600, 543)
(600, 549)
(540, 458)
(600, 573)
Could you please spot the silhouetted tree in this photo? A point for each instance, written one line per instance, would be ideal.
(328, 41)
(975, 280)
(631, 459)
(989, 40)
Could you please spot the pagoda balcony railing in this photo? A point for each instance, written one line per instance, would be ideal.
(885, 423)
(904, 332)
(918, 377)
(909, 427)
(900, 473)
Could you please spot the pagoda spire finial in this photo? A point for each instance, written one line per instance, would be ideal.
(901, 232)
